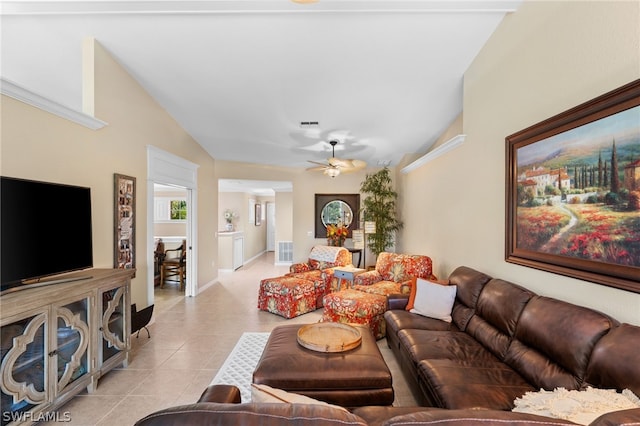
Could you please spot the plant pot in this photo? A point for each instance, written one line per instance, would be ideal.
(228, 226)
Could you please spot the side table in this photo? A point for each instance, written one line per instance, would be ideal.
(346, 273)
(354, 251)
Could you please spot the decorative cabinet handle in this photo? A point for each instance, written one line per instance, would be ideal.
(53, 352)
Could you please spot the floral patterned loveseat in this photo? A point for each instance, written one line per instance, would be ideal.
(393, 273)
(367, 302)
(319, 268)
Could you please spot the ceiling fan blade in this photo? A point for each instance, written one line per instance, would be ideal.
(320, 164)
(357, 164)
(318, 168)
(337, 162)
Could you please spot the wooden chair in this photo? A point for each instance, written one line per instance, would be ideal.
(158, 257)
(174, 264)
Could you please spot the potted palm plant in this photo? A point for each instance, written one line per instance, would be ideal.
(380, 207)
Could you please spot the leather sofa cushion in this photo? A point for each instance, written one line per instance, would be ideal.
(402, 320)
(472, 384)
(470, 283)
(614, 363)
(472, 418)
(429, 344)
(497, 311)
(376, 415)
(553, 342)
(263, 414)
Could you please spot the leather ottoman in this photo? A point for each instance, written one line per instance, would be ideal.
(287, 296)
(357, 307)
(353, 378)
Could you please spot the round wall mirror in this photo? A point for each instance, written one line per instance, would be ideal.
(333, 208)
(336, 211)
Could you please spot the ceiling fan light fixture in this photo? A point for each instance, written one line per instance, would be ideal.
(332, 172)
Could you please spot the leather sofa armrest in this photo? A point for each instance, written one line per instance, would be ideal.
(617, 418)
(398, 301)
(222, 394)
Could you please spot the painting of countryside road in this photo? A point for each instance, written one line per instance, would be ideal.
(578, 192)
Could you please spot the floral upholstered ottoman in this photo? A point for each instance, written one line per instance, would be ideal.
(319, 283)
(357, 307)
(287, 296)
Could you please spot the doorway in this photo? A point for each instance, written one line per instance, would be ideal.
(241, 197)
(170, 214)
(173, 171)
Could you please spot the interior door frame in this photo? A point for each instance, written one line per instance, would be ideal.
(270, 213)
(166, 168)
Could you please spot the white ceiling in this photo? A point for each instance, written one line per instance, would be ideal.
(383, 77)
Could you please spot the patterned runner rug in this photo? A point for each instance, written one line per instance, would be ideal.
(238, 368)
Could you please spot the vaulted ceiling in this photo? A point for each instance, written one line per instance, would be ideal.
(384, 78)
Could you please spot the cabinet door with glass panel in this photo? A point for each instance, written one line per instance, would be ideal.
(44, 353)
(114, 346)
(25, 364)
(71, 354)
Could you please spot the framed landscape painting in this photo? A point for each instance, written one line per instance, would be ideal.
(573, 192)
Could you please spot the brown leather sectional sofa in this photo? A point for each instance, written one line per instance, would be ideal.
(220, 405)
(504, 341)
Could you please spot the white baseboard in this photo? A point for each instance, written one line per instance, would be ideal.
(254, 257)
(209, 284)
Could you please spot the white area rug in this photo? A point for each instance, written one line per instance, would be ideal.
(239, 366)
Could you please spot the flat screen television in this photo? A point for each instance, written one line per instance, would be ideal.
(45, 229)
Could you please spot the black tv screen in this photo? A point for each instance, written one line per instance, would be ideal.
(45, 229)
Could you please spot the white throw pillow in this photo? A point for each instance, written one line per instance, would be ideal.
(434, 300)
(264, 393)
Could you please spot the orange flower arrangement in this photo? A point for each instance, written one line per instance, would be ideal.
(336, 234)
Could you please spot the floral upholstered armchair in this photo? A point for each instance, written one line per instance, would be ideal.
(319, 267)
(393, 273)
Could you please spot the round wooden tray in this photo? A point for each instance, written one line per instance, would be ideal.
(329, 337)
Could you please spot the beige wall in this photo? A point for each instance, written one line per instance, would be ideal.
(542, 60)
(39, 145)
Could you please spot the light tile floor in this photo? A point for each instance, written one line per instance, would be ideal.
(190, 339)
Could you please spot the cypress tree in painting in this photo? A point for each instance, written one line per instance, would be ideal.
(560, 180)
(600, 183)
(615, 178)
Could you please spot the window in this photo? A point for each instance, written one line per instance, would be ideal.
(170, 209)
(178, 210)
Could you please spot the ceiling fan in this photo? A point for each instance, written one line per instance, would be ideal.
(334, 166)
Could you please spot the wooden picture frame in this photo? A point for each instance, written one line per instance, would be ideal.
(573, 192)
(124, 215)
(258, 220)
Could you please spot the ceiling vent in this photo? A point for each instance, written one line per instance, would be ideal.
(308, 123)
